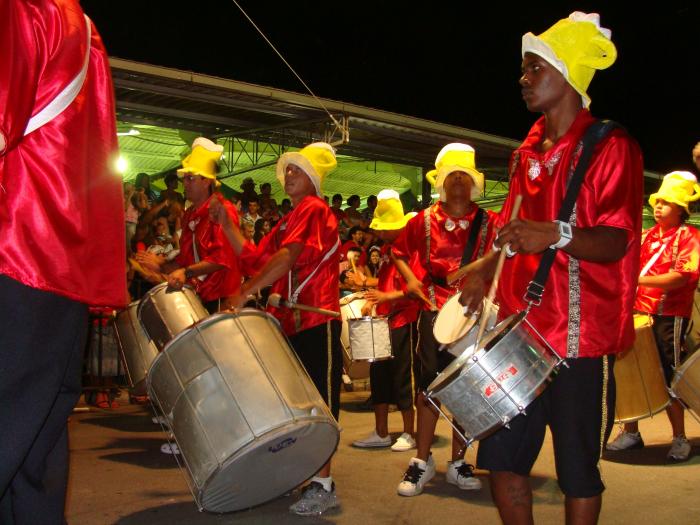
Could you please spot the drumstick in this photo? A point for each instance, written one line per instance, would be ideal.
(486, 312)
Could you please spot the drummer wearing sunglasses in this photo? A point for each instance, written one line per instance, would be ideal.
(585, 312)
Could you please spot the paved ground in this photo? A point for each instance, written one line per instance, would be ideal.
(119, 476)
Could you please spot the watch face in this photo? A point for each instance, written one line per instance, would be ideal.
(565, 229)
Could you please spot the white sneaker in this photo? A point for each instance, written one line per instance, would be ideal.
(315, 500)
(170, 448)
(626, 440)
(418, 474)
(680, 449)
(160, 420)
(374, 440)
(462, 474)
(404, 442)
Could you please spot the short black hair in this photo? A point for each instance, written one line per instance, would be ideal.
(354, 230)
(353, 198)
(336, 197)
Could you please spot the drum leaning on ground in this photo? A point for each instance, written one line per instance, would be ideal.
(248, 420)
(686, 383)
(488, 387)
(164, 313)
(370, 339)
(351, 308)
(137, 349)
(639, 379)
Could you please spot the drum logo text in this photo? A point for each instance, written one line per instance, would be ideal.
(288, 442)
(500, 378)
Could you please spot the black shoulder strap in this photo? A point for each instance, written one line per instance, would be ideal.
(593, 135)
(468, 254)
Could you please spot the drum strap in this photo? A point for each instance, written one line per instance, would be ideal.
(593, 135)
(426, 222)
(295, 295)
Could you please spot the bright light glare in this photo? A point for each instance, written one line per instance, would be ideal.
(122, 165)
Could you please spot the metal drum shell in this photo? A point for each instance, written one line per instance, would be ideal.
(248, 420)
(138, 351)
(164, 313)
(640, 386)
(370, 333)
(686, 384)
(351, 308)
(508, 356)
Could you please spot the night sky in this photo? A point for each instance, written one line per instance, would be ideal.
(451, 62)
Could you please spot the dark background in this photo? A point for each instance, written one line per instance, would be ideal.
(451, 62)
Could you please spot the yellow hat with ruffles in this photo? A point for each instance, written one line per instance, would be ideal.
(388, 215)
(202, 160)
(576, 46)
(456, 157)
(316, 160)
(678, 187)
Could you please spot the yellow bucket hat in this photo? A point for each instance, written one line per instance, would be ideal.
(678, 187)
(202, 160)
(388, 215)
(316, 160)
(576, 47)
(456, 157)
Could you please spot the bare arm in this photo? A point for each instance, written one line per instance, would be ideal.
(665, 281)
(596, 244)
(218, 214)
(277, 266)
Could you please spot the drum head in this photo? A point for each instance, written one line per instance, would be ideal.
(450, 323)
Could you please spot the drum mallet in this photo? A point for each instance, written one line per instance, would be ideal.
(494, 284)
(276, 300)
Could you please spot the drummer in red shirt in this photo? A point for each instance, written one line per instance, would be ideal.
(667, 283)
(300, 259)
(435, 243)
(391, 379)
(206, 260)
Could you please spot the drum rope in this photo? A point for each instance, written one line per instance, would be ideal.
(604, 407)
(318, 100)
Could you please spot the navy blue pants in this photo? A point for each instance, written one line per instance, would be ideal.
(42, 338)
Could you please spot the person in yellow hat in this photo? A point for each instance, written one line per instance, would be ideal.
(299, 258)
(391, 379)
(585, 312)
(667, 282)
(206, 260)
(435, 243)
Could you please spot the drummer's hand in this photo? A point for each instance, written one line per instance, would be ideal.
(176, 279)
(237, 300)
(149, 260)
(525, 236)
(358, 278)
(218, 213)
(375, 296)
(366, 309)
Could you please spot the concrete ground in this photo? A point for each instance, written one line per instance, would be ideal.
(119, 476)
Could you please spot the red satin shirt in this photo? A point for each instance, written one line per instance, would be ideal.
(312, 224)
(586, 308)
(446, 247)
(213, 247)
(61, 203)
(403, 311)
(680, 255)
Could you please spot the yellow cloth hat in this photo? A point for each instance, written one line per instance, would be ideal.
(576, 47)
(388, 215)
(678, 187)
(316, 160)
(202, 160)
(456, 157)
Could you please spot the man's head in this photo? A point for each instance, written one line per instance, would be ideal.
(354, 201)
(266, 188)
(372, 202)
(248, 230)
(315, 161)
(678, 189)
(337, 200)
(389, 219)
(354, 254)
(248, 185)
(253, 206)
(576, 47)
(455, 158)
(171, 180)
(356, 234)
(199, 170)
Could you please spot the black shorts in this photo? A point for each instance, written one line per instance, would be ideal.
(667, 329)
(318, 349)
(392, 379)
(579, 407)
(431, 360)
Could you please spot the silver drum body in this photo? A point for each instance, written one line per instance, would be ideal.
(164, 313)
(136, 347)
(351, 308)
(686, 384)
(370, 339)
(248, 420)
(488, 387)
